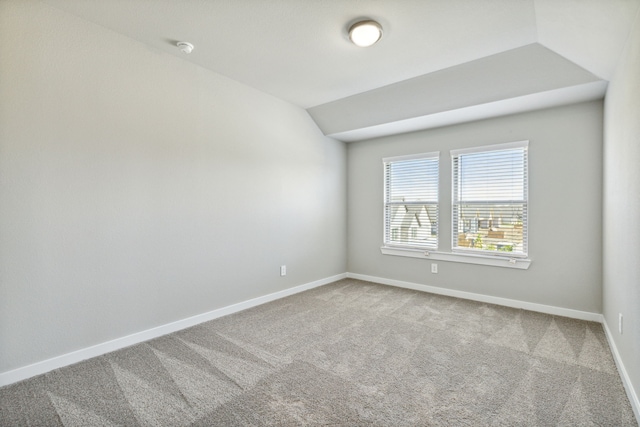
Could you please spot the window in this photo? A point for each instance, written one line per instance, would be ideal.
(489, 200)
(411, 201)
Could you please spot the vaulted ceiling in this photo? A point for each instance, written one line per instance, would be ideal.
(439, 61)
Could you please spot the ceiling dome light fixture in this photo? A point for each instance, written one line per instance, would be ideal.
(365, 33)
(185, 47)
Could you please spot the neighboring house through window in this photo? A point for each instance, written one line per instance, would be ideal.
(490, 196)
(411, 201)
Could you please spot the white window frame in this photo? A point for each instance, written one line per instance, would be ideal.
(388, 243)
(525, 201)
(485, 258)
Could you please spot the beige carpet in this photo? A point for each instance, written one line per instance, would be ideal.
(348, 353)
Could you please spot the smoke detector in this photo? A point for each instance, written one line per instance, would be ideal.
(185, 47)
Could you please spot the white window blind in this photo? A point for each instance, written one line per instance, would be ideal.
(489, 201)
(411, 201)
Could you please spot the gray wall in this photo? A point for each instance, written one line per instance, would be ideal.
(621, 265)
(565, 231)
(137, 189)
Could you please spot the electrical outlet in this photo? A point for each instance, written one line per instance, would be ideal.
(620, 323)
(434, 268)
(283, 270)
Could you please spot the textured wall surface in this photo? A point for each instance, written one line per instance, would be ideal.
(565, 232)
(621, 268)
(137, 189)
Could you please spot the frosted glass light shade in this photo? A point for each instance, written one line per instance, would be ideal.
(365, 33)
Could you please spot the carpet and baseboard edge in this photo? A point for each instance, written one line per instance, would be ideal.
(626, 381)
(67, 359)
(541, 308)
(557, 311)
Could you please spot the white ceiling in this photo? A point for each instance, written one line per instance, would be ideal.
(516, 73)
(298, 50)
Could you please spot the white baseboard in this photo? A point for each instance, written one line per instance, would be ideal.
(548, 309)
(558, 311)
(626, 381)
(38, 368)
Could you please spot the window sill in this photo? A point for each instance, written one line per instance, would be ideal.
(496, 261)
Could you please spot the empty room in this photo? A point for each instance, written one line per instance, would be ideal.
(337, 212)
